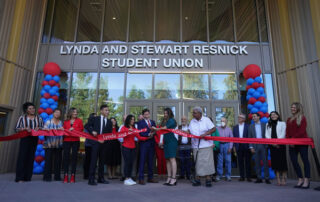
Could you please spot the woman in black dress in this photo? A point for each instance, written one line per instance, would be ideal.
(113, 152)
(277, 129)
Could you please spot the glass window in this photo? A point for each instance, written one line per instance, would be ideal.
(228, 113)
(111, 93)
(246, 21)
(63, 91)
(90, 17)
(263, 21)
(220, 20)
(136, 110)
(269, 92)
(194, 23)
(83, 93)
(64, 21)
(141, 20)
(116, 20)
(190, 110)
(167, 86)
(4, 114)
(159, 115)
(195, 86)
(168, 20)
(224, 87)
(139, 86)
(46, 28)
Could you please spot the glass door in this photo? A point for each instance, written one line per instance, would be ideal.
(188, 107)
(158, 108)
(135, 107)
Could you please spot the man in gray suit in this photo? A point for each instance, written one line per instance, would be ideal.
(257, 130)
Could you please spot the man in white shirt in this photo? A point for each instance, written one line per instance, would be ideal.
(202, 149)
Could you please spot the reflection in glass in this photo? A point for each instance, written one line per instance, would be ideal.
(136, 110)
(195, 86)
(63, 91)
(141, 20)
(90, 17)
(269, 92)
(116, 20)
(228, 113)
(224, 87)
(46, 28)
(83, 93)
(220, 20)
(64, 21)
(139, 86)
(111, 93)
(246, 20)
(3, 121)
(263, 21)
(168, 20)
(159, 116)
(190, 110)
(194, 23)
(167, 86)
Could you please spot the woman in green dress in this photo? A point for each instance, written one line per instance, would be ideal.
(170, 146)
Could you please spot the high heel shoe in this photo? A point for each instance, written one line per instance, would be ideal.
(307, 187)
(167, 183)
(174, 184)
(298, 185)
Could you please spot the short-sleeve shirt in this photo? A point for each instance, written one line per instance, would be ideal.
(198, 128)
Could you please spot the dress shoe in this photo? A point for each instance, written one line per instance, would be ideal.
(172, 184)
(72, 179)
(152, 181)
(92, 182)
(196, 183)
(103, 181)
(208, 183)
(249, 180)
(267, 181)
(141, 182)
(241, 179)
(65, 180)
(258, 181)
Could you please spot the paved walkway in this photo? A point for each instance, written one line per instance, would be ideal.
(38, 190)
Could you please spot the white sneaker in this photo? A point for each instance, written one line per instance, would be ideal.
(131, 180)
(128, 182)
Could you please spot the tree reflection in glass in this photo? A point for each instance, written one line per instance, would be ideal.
(139, 86)
(167, 86)
(195, 86)
(224, 87)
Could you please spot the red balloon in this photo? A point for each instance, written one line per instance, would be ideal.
(44, 83)
(40, 141)
(49, 111)
(250, 116)
(262, 99)
(269, 163)
(55, 98)
(40, 110)
(255, 85)
(248, 87)
(39, 159)
(252, 100)
(52, 69)
(58, 85)
(261, 114)
(261, 85)
(266, 115)
(46, 95)
(52, 83)
(251, 71)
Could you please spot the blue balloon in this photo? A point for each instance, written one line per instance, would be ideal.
(53, 107)
(263, 95)
(258, 79)
(42, 163)
(264, 109)
(256, 94)
(55, 88)
(41, 138)
(50, 116)
(260, 90)
(251, 91)
(250, 81)
(43, 100)
(48, 77)
(38, 170)
(35, 164)
(56, 78)
(250, 106)
(47, 88)
(257, 104)
(254, 110)
(42, 153)
(39, 147)
(57, 94)
(50, 101)
(45, 105)
(42, 92)
(52, 92)
(44, 115)
(248, 97)
(264, 120)
(37, 153)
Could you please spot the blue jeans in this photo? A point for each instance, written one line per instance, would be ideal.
(224, 156)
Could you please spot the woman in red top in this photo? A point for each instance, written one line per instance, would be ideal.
(72, 123)
(129, 148)
(297, 128)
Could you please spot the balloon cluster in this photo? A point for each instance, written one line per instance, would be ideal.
(48, 103)
(255, 92)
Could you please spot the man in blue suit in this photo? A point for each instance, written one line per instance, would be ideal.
(146, 147)
(243, 152)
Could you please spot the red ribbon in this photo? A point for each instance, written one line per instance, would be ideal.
(113, 136)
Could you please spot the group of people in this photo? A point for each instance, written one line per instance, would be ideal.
(209, 157)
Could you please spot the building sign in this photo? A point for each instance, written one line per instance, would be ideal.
(138, 56)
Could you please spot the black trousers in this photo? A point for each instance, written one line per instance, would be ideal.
(67, 147)
(52, 156)
(97, 151)
(303, 150)
(129, 156)
(27, 149)
(244, 162)
(86, 162)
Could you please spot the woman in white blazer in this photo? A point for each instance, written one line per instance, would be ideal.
(277, 129)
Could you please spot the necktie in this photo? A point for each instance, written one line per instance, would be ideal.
(149, 124)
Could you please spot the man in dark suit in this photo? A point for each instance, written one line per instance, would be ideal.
(146, 147)
(243, 152)
(258, 130)
(101, 124)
